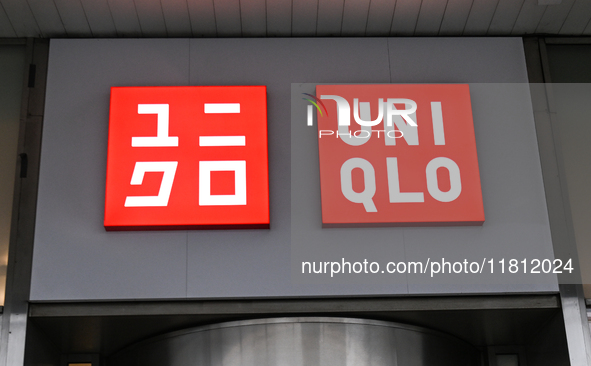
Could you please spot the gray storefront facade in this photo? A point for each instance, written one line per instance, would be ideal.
(77, 294)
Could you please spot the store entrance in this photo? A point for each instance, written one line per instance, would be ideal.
(301, 341)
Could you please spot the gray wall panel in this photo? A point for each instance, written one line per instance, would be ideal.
(457, 60)
(516, 225)
(74, 258)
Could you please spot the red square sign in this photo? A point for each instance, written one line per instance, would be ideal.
(399, 155)
(187, 157)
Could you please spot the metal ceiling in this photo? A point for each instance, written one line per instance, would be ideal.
(285, 18)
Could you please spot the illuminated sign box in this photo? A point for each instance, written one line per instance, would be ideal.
(397, 155)
(187, 157)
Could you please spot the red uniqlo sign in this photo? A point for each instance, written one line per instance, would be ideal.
(187, 157)
(398, 155)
